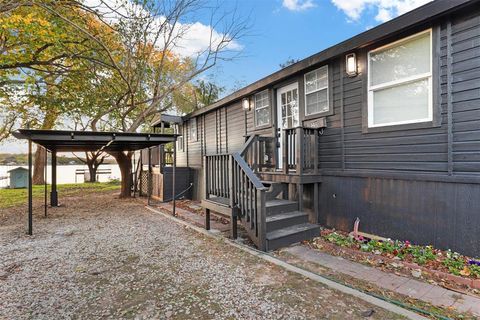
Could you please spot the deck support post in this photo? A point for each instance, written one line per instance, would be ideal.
(316, 203)
(53, 192)
(30, 195)
(233, 224)
(207, 219)
(300, 196)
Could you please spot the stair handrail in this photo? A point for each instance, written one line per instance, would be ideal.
(251, 139)
(257, 154)
(248, 171)
(248, 200)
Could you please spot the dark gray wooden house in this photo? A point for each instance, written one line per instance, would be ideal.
(384, 126)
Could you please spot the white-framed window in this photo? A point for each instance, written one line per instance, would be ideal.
(400, 82)
(316, 91)
(193, 129)
(178, 130)
(262, 109)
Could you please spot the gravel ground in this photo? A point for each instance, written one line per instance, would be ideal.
(101, 257)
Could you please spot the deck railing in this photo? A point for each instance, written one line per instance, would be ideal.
(217, 175)
(248, 200)
(230, 177)
(166, 157)
(260, 153)
(300, 151)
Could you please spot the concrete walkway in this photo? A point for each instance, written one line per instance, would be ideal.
(430, 293)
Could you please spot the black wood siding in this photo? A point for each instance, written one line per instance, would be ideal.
(432, 213)
(449, 147)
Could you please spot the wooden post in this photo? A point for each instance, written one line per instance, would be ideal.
(231, 187)
(285, 152)
(207, 219)
(316, 203)
(300, 196)
(233, 224)
(299, 152)
(315, 152)
(206, 173)
(262, 220)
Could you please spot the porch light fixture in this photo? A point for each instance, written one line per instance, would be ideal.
(246, 104)
(351, 64)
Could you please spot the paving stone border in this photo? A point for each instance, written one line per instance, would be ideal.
(472, 283)
(433, 294)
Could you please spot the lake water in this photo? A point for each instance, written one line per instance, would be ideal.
(66, 174)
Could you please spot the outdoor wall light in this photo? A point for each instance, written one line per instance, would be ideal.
(351, 67)
(246, 104)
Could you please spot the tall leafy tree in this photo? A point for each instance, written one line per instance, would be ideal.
(43, 63)
(149, 73)
(120, 62)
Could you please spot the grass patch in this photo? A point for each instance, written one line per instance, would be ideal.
(15, 197)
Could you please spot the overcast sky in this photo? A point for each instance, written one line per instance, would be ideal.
(283, 29)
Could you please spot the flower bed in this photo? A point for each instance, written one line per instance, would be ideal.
(445, 264)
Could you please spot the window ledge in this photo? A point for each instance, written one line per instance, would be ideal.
(263, 126)
(319, 115)
(401, 127)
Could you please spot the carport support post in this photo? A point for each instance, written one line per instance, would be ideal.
(173, 174)
(53, 193)
(30, 195)
(45, 180)
(149, 181)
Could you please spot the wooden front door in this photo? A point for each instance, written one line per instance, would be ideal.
(287, 114)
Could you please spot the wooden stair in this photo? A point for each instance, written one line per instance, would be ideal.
(286, 225)
(233, 185)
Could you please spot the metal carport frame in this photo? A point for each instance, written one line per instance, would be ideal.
(77, 141)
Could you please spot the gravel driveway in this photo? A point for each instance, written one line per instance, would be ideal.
(101, 257)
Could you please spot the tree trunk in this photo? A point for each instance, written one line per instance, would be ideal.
(39, 166)
(124, 161)
(39, 163)
(92, 171)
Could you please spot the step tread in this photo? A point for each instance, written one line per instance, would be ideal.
(285, 232)
(278, 202)
(269, 182)
(285, 215)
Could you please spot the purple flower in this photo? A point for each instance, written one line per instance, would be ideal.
(474, 262)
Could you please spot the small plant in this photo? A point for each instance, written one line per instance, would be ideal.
(339, 240)
(475, 270)
(454, 262)
(422, 255)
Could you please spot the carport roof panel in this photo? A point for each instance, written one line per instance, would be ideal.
(65, 141)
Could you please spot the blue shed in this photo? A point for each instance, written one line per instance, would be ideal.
(18, 178)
